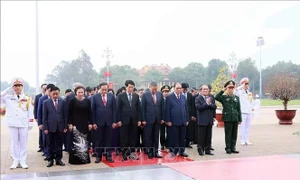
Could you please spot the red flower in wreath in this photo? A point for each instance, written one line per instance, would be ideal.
(23, 100)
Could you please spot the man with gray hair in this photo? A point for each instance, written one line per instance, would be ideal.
(152, 118)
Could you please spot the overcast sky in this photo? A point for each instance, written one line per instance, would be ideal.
(141, 33)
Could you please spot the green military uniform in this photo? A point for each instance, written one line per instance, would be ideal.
(231, 116)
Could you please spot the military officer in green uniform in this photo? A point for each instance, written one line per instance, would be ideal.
(231, 115)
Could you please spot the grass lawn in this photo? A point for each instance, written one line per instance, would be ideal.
(271, 102)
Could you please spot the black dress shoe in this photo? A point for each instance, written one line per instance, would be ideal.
(158, 155)
(162, 147)
(235, 152)
(43, 154)
(209, 153)
(184, 155)
(46, 159)
(228, 151)
(40, 150)
(212, 149)
(150, 156)
(188, 146)
(93, 154)
(109, 159)
(60, 163)
(98, 160)
(201, 153)
(124, 158)
(50, 163)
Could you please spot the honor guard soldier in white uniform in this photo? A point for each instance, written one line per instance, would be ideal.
(19, 118)
(247, 108)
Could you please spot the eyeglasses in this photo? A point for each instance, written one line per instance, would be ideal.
(246, 83)
(230, 87)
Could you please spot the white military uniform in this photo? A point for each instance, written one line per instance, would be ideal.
(19, 119)
(246, 102)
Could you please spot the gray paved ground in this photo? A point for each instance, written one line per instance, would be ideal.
(267, 136)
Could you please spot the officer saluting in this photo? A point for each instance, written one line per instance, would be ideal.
(19, 118)
(231, 115)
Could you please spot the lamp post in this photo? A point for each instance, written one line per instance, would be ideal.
(260, 42)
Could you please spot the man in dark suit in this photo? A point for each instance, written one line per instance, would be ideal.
(67, 137)
(55, 125)
(128, 117)
(104, 119)
(40, 118)
(152, 117)
(163, 138)
(177, 118)
(195, 94)
(190, 130)
(206, 107)
(36, 103)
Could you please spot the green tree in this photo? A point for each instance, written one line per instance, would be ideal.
(153, 75)
(78, 70)
(280, 67)
(194, 74)
(119, 74)
(247, 68)
(213, 68)
(219, 82)
(177, 75)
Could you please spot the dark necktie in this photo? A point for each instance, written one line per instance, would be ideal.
(56, 104)
(246, 92)
(130, 99)
(18, 96)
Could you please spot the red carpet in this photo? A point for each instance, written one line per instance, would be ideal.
(143, 160)
(255, 168)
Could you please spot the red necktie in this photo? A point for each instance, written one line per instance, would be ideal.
(153, 98)
(104, 100)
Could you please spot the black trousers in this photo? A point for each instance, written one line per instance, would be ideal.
(190, 132)
(140, 138)
(55, 145)
(41, 145)
(103, 141)
(204, 138)
(176, 139)
(128, 135)
(231, 129)
(151, 135)
(67, 140)
(163, 136)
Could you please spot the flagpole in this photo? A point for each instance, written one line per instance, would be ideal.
(37, 66)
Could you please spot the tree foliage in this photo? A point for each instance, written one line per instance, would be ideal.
(219, 82)
(153, 75)
(119, 74)
(284, 87)
(247, 68)
(213, 69)
(78, 70)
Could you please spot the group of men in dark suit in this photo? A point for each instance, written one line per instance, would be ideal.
(178, 118)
